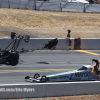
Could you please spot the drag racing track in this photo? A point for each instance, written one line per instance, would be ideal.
(45, 63)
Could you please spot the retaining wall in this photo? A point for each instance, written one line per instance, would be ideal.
(10, 91)
(35, 44)
(90, 44)
(63, 44)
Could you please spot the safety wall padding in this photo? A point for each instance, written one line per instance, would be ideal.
(37, 90)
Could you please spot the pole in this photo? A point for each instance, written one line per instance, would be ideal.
(35, 4)
(84, 8)
(8, 3)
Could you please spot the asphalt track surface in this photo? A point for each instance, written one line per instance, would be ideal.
(46, 63)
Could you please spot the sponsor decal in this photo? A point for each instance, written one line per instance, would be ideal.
(53, 78)
(64, 77)
(59, 77)
(47, 79)
(82, 74)
(74, 78)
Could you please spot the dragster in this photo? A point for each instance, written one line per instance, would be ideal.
(11, 56)
(85, 73)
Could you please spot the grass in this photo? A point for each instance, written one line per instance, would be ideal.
(32, 19)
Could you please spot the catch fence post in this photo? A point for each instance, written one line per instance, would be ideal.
(35, 4)
(60, 7)
(84, 8)
(8, 3)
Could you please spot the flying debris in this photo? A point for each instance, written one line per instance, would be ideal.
(51, 44)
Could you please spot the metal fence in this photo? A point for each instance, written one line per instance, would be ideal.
(50, 6)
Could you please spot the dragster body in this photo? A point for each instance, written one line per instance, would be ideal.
(82, 74)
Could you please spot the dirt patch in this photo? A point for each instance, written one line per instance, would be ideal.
(80, 97)
(46, 24)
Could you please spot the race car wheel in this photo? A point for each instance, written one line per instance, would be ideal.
(36, 75)
(13, 59)
(27, 77)
(43, 78)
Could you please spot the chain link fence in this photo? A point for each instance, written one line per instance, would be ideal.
(50, 6)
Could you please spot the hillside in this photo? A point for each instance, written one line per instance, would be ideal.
(46, 24)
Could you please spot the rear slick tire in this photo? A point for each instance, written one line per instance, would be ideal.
(13, 59)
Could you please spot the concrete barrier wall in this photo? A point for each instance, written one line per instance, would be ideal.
(61, 89)
(63, 44)
(87, 44)
(36, 90)
(5, 42)
(88, 88)
(22, 91)
(35, 43)
(90, 44)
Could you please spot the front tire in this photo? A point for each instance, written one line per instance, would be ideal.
(27, 77)
(43, 78)
(36, 75)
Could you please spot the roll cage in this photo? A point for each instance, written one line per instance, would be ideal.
(96, 66)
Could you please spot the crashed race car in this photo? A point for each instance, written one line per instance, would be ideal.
(85, 73)
(11, 56)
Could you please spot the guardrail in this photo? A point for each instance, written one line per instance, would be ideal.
(35, 44)
(63, 44)
(90, 44)
(36, 90)
(51, 6)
